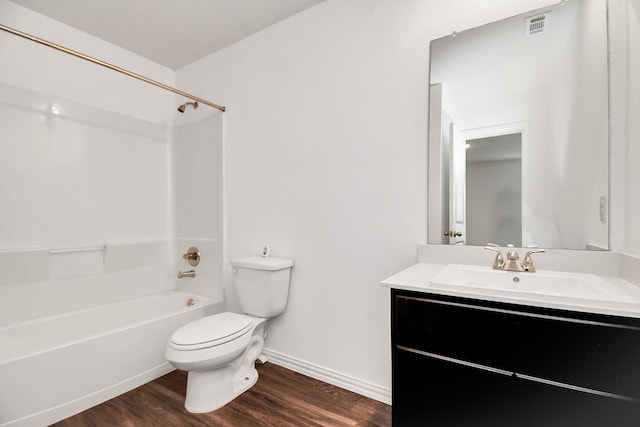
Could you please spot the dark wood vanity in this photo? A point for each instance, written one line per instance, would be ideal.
(472, 363)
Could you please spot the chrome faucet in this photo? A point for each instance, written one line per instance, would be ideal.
(512, 262)
(190, 273)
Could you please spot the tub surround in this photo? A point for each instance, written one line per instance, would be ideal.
(26, 265)
(57, 280)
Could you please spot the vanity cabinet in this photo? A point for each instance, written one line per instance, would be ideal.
(467, 362)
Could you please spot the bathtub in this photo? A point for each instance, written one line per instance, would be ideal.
(57, 366)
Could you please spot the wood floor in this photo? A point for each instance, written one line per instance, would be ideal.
(280, 398)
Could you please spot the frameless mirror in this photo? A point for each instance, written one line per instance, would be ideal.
(518, 131)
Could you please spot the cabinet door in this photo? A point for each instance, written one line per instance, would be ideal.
(453, 329)
(437, 393)
(599, 355)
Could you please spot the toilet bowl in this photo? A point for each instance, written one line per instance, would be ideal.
(219, 351)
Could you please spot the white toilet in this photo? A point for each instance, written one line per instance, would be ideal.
(220, 351)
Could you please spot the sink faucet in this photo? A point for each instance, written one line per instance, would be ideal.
(512, 262)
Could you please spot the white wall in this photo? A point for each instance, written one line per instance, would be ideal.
(325, 140)
(633, 136)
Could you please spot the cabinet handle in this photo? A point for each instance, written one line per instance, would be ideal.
(574, 387)
(452, 233)
(456, 361)
(516, 375)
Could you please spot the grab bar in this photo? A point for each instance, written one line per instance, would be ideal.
(72, 250)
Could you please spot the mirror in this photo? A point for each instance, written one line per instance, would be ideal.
(518, 131)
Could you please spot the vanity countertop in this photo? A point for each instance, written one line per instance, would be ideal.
(418, 278)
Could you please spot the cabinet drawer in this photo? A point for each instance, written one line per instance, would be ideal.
(599, 355)
(455, 330)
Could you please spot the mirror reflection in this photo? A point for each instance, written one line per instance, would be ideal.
(496, 202)
(518, 131)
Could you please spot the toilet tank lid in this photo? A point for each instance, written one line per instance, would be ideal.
(262, 263)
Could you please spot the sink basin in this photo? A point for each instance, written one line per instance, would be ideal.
(577, 288)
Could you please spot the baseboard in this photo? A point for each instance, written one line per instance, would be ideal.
(59, 413)
(329, 376)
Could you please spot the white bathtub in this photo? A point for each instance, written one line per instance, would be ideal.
(57, 366)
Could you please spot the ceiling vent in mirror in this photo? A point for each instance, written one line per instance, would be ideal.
(536, 24)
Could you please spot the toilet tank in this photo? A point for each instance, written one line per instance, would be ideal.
(262, 284)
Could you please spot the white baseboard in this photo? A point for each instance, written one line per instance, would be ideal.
(373, 391)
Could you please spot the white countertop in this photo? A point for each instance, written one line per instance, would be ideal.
(418, 277)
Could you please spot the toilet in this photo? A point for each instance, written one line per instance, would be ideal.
(219, 351)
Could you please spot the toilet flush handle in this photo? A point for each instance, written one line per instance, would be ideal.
(265, 251)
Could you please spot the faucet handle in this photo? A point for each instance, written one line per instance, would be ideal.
(498, 262)
(527, 262)
(192, 256)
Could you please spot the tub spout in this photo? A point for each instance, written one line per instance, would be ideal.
(190, 273)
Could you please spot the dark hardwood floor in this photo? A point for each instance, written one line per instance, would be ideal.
(280, 398)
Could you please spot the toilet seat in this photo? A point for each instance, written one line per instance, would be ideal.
(211, 331)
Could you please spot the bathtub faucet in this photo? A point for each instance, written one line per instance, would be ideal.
(190, 273)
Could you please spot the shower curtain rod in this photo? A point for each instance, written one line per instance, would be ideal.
(110, 66)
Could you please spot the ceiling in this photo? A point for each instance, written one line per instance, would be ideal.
(173, 33)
